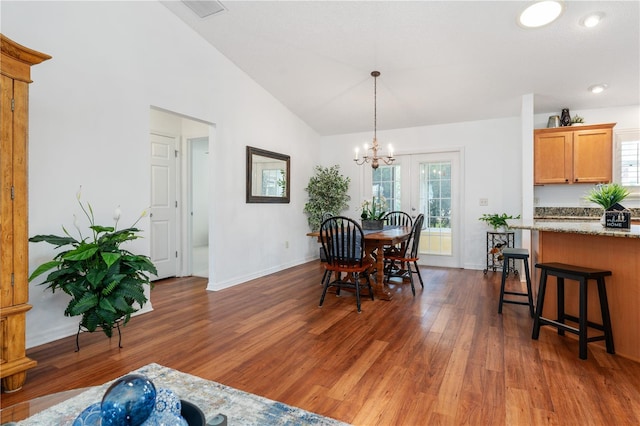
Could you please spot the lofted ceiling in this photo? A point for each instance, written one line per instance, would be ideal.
(440, 61)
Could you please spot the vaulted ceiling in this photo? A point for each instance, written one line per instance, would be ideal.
(440, 61)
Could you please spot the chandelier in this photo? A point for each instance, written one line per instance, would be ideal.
(373, 158)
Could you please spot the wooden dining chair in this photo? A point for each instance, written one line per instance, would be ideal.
(395, 218)
(408, 256)
(343, 241)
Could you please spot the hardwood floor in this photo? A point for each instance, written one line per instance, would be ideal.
(443, 357)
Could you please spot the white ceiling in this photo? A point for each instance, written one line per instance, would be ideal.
(440, 61)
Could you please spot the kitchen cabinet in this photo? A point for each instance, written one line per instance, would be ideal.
(15, 72)
(574, 154)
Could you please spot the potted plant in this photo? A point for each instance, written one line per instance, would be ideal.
(105, 281)
(606, 195)
(497, 221)
(577, 120)
(373, 212)
(327, 191)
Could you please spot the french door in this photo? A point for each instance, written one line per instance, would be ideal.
(426, 184)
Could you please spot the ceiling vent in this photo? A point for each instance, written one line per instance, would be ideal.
(204, 8)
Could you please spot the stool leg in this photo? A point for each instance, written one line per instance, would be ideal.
(582, 320)
(505, 263)
(536, 319)
(560, 307)
(606, 319)
(529, 292)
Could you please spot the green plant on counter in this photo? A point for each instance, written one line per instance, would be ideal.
(606, 195)
(497, 220)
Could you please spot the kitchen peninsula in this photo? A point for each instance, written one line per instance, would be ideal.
(587, 243)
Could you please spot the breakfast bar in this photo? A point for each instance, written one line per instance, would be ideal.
(589, 244)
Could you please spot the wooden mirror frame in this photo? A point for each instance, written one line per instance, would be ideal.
(257, 198)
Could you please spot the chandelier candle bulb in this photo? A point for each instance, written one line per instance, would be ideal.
(356, 157)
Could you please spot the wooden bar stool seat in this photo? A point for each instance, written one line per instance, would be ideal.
(576, 273)
(521, 254)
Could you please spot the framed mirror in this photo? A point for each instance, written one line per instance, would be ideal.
(268, 176)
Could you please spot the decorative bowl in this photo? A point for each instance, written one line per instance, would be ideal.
(192, 414)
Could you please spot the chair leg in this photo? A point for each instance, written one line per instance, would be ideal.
(529, 291)
(418, 272)
(582, 320)
(326, 279)
(606, 318)
(356, 280)
(505, 262)
(536, 319)
(413, 288)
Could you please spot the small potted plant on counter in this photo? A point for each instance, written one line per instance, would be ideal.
(607, 196)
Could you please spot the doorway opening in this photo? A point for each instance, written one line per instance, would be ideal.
(179, 231)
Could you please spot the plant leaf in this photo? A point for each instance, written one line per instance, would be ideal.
(83, 252)
(44, 268)
(110, 258)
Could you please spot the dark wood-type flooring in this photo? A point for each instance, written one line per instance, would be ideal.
(443, 357)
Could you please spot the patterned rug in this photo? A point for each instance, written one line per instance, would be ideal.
(241, 408)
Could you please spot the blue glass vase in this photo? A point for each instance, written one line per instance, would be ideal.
(128, 401)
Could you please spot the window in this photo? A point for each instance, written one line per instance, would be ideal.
(628, 156)
(386, 183)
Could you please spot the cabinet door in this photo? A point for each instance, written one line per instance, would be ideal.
(6, 184)
(592, 156)
(552, 158)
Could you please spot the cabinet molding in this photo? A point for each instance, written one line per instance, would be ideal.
(574, 154)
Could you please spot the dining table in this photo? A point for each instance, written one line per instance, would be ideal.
(374, 243)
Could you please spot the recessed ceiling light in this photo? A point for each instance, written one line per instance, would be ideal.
(592, 20)
(597, 88)
(540, 14)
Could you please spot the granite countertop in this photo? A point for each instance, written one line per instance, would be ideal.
(590, 227)
(575, 213)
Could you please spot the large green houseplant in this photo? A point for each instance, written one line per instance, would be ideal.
(105, 282)
(327, 191)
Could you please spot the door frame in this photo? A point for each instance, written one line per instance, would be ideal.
(405, 160)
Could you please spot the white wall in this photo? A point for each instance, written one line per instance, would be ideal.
(89, 126)
(492, 169)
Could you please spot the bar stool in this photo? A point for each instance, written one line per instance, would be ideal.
(522, 254)
(582, 275)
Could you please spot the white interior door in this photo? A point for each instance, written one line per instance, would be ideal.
(164, 205)
(435, 192)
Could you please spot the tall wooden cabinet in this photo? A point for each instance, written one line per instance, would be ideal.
(574, 154)
(15, 72)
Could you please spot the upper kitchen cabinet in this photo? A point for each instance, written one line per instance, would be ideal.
(576, 154)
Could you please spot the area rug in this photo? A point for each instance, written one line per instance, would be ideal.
(241, 408)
